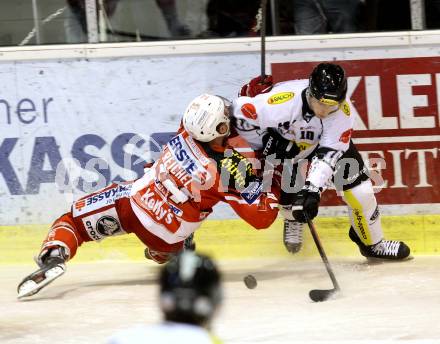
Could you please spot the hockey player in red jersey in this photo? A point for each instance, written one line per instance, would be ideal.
(301, 120)
(196, 170)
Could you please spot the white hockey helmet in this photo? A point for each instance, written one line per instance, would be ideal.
(203, 116)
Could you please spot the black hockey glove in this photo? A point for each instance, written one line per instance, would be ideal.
(273, 142)
(307, 202)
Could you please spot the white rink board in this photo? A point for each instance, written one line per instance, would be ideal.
(143, 90)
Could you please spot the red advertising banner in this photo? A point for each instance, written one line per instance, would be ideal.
(397, 102)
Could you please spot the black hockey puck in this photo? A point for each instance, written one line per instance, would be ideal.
(250, 281)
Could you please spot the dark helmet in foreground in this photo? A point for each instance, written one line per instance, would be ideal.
(190, 290)
(328, 83)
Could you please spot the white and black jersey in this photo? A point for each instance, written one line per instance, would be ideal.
(285, 109)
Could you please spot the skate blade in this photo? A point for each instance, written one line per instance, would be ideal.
(30, 287)
(374, 261)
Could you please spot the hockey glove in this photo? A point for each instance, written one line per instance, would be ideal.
(257, 86)
(158, 256)
(273, 142)
(306, 203)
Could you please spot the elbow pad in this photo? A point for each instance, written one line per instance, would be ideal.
(323, 165)
(328, 156)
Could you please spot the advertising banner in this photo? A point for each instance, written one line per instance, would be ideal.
(68, 127)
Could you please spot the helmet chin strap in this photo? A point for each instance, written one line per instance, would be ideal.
(309, 98)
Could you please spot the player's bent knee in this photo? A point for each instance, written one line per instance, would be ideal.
(361, 196)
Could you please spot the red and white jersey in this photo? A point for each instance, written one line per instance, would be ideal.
(286, 110)
(178, 192)
(168, 332)
(169, 202)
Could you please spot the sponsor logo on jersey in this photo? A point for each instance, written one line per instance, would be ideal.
(103, 198)
(252, 192)
(80, 204)
(304, 145)
(359, 218)
(157, 207)
(249, 111)
(345, 108)
(180, 161)
(103, 224)
(268, 145)
(280, 98)
(111, 194)
(176, 210)
(197, 152)
(352, 178)
(182, 154)
(107, 225)
(238, 167)
(162, 189)
(93, 234)
(346, 135)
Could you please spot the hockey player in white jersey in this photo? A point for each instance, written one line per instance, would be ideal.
(190, 294)
(302, 119)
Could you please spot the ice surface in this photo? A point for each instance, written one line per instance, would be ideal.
(383, 303)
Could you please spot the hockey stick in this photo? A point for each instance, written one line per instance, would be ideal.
(319, 295)
(263, 38)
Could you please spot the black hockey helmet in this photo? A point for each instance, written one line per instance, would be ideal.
(190, 289)
(328, 83)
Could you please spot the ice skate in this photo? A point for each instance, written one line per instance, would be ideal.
(293, 235)
(383, 250)
(53, 268)
(52, 265)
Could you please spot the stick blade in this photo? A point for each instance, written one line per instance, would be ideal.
(320, 295)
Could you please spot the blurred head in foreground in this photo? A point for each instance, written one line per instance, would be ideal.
(190, 289)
